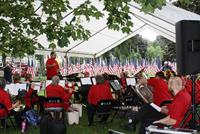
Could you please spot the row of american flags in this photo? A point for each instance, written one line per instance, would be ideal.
(115, 70)
(94, 69)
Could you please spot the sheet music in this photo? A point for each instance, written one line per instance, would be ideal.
(61, 82)
(156, 107)
(13, 88)
(37, 86)
(94, 81)
(48, 82)
(130, 81)
(86, 81)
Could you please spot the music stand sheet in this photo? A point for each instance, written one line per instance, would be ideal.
(86, 81)
(13, 88)
(130, 81)
(61, 82)
(94, 81)
(37, 86)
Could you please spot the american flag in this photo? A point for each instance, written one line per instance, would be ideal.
(30, 70)
(14, 70)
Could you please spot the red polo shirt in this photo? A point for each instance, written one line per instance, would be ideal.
(28, 100)
(4, 99)
(188, 87)
(58, 91)
(160, 90)
(52, 71)
(98, 92)
(179, 107)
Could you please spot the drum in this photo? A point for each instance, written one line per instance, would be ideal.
(155, 130)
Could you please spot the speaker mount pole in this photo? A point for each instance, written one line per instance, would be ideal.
(193, 77)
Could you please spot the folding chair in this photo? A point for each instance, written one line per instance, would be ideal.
(2, 107)
(104, 109)
(55, 111)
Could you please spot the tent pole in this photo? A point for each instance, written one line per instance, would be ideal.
(93, 64)
(67, 66)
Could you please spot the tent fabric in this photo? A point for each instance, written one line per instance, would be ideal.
(103, 39)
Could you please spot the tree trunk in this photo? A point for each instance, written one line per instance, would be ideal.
(3, 59)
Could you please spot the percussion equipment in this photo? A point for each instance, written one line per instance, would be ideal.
(152, 129)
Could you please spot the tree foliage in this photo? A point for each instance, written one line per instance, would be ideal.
(191, 5)
(133, 48)
(168, 47)
(21, 24)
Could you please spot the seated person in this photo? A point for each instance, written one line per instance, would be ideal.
(97, 93)
(172, 114)
(5, 100)
(159, 88)
(178, 108)
(123, 76)
(31, 97)
(55, 90)
(28, 78)
(16, 78)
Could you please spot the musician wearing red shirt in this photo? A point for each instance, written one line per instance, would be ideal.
(4, 99)
(178, 108)
(55, 90)
(52, 66)
(97, 92)
(160, 88)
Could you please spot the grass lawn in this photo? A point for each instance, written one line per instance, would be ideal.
(83, 128)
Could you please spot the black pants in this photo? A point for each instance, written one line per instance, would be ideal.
(91, 109)
(146, 115)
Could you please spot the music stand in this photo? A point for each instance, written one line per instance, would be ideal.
(86, 81)
(115, 85)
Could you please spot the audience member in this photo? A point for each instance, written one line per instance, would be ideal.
(16, 78)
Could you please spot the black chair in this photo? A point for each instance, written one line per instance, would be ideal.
(55, 111)
(2, 107)
(126, 106)
(104, 109)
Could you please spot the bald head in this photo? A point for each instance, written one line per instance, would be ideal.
(175, 84)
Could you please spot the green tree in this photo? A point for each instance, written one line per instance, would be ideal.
(191, 5)
(154, 51)
(168, 47)
(20, 23)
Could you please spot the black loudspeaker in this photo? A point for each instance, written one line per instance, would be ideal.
(188, 47)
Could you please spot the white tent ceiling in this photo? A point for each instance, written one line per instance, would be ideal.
(103, 39)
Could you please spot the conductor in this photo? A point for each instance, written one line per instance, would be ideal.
(52, 66)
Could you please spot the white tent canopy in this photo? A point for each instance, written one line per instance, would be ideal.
(103, 39)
